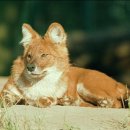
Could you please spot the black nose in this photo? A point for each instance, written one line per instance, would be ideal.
(30, 67)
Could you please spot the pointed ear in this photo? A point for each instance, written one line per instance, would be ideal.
(28, 34)
(56, 33)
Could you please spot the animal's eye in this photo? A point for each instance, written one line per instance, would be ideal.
(44, 55)
(29, 56)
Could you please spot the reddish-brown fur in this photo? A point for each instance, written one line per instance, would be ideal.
(76, 86)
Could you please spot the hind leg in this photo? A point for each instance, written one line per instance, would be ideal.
(109, 103)
(100, 99)
(117, 104)
(105, 103)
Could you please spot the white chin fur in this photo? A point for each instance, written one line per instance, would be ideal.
(35, 75)
(39, 73)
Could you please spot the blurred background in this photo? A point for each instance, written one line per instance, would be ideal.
(98, 32)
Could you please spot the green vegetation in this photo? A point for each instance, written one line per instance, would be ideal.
(70, 127)
(100, 27)
(7, 122)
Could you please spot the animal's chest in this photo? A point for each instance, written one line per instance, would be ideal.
(45, 88)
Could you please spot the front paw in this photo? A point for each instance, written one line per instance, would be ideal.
(8, 99)
(41, 102)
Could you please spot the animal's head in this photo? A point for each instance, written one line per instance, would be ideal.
(44, 54)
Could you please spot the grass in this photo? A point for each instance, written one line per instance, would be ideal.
(9, 125)
(7, 122)
(67, 126)
(129, 102)
(129, 113)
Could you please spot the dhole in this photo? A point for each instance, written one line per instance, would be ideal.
(43, 76)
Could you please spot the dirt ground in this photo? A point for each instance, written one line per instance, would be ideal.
(64, 117)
